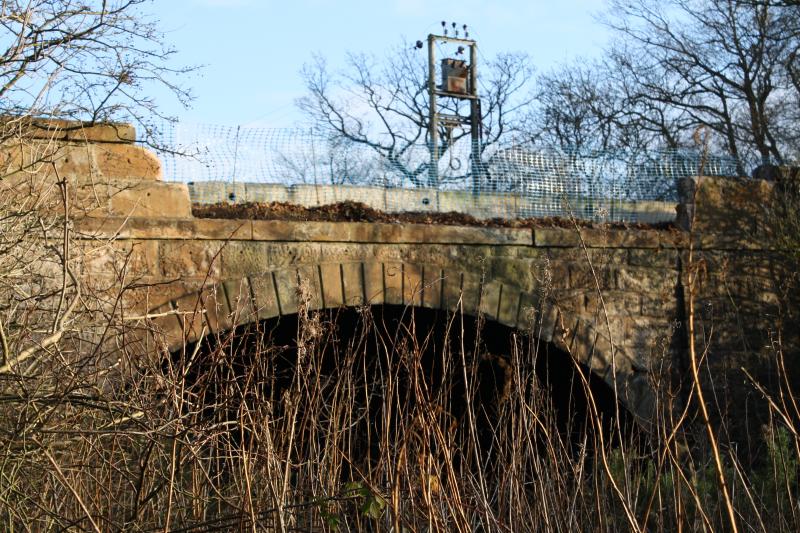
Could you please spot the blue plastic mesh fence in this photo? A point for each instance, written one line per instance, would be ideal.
(510, 180)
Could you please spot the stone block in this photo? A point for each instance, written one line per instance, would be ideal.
(491, 298)
(724, 211)
(125, 228)
(218, 229)
(482, 206)
(167, 328)
(266, 192)
(617, 370)
(318, 195)
(418, 200)
(69, 130)
(286, 285)
(308, 287)
(245, 258)
(659, 305)
(552, 273)
(451, 291)
(642, 335)
(433, 285)
(124, 161)
(432, 234)
(547, 318)
(190, 311)
(604, 257)
(393, 283)
(265, 296)
(582, 277)
(614, 303)
(332, 282)
(207, 192)
(151, 292)
(581, 345)
(602, 351)
(471, 293)
(135, 301)
(647, 280)
(555, 238)
(286, 255)
(390, 252)
(662, 259)
(373, 283)
(621, 238)
(218, 192)
(133, 257)
(242, 309)
(90, 163)
(181, 259)
(413, 285)
(153, 199)
(75, 162)
(217, 311)
(380, 233)
(509, 308)
(514, 272)
(282, 230)
(353, 281)
(637, 394)
(652, 212)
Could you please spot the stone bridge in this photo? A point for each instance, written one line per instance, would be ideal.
(613, 298)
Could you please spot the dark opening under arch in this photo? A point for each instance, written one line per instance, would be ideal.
(372, 375)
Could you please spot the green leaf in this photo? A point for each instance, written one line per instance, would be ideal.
(373, 506)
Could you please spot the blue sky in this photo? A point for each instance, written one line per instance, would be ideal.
(252, 50)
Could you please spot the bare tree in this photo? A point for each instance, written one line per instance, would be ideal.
(724, 65)
(382, 103)
(86, 61)
(93, 60)
(728, 65)
(89, 62)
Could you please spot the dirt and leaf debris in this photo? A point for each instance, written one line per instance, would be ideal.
(359, 212)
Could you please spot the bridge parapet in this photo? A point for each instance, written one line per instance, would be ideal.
(106, 173)
(485, 205)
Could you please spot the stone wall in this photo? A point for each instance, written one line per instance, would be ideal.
(613, 298)
(107, 174)
(747, 295)
(606, 296)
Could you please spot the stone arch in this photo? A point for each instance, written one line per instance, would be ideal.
(229, 303)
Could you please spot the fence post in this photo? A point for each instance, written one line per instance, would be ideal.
(232, 195)
(314, 166)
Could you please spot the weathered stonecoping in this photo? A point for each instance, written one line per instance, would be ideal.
(49, 129)
(369, 232)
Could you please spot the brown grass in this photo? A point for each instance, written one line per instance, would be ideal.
(364, 423)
